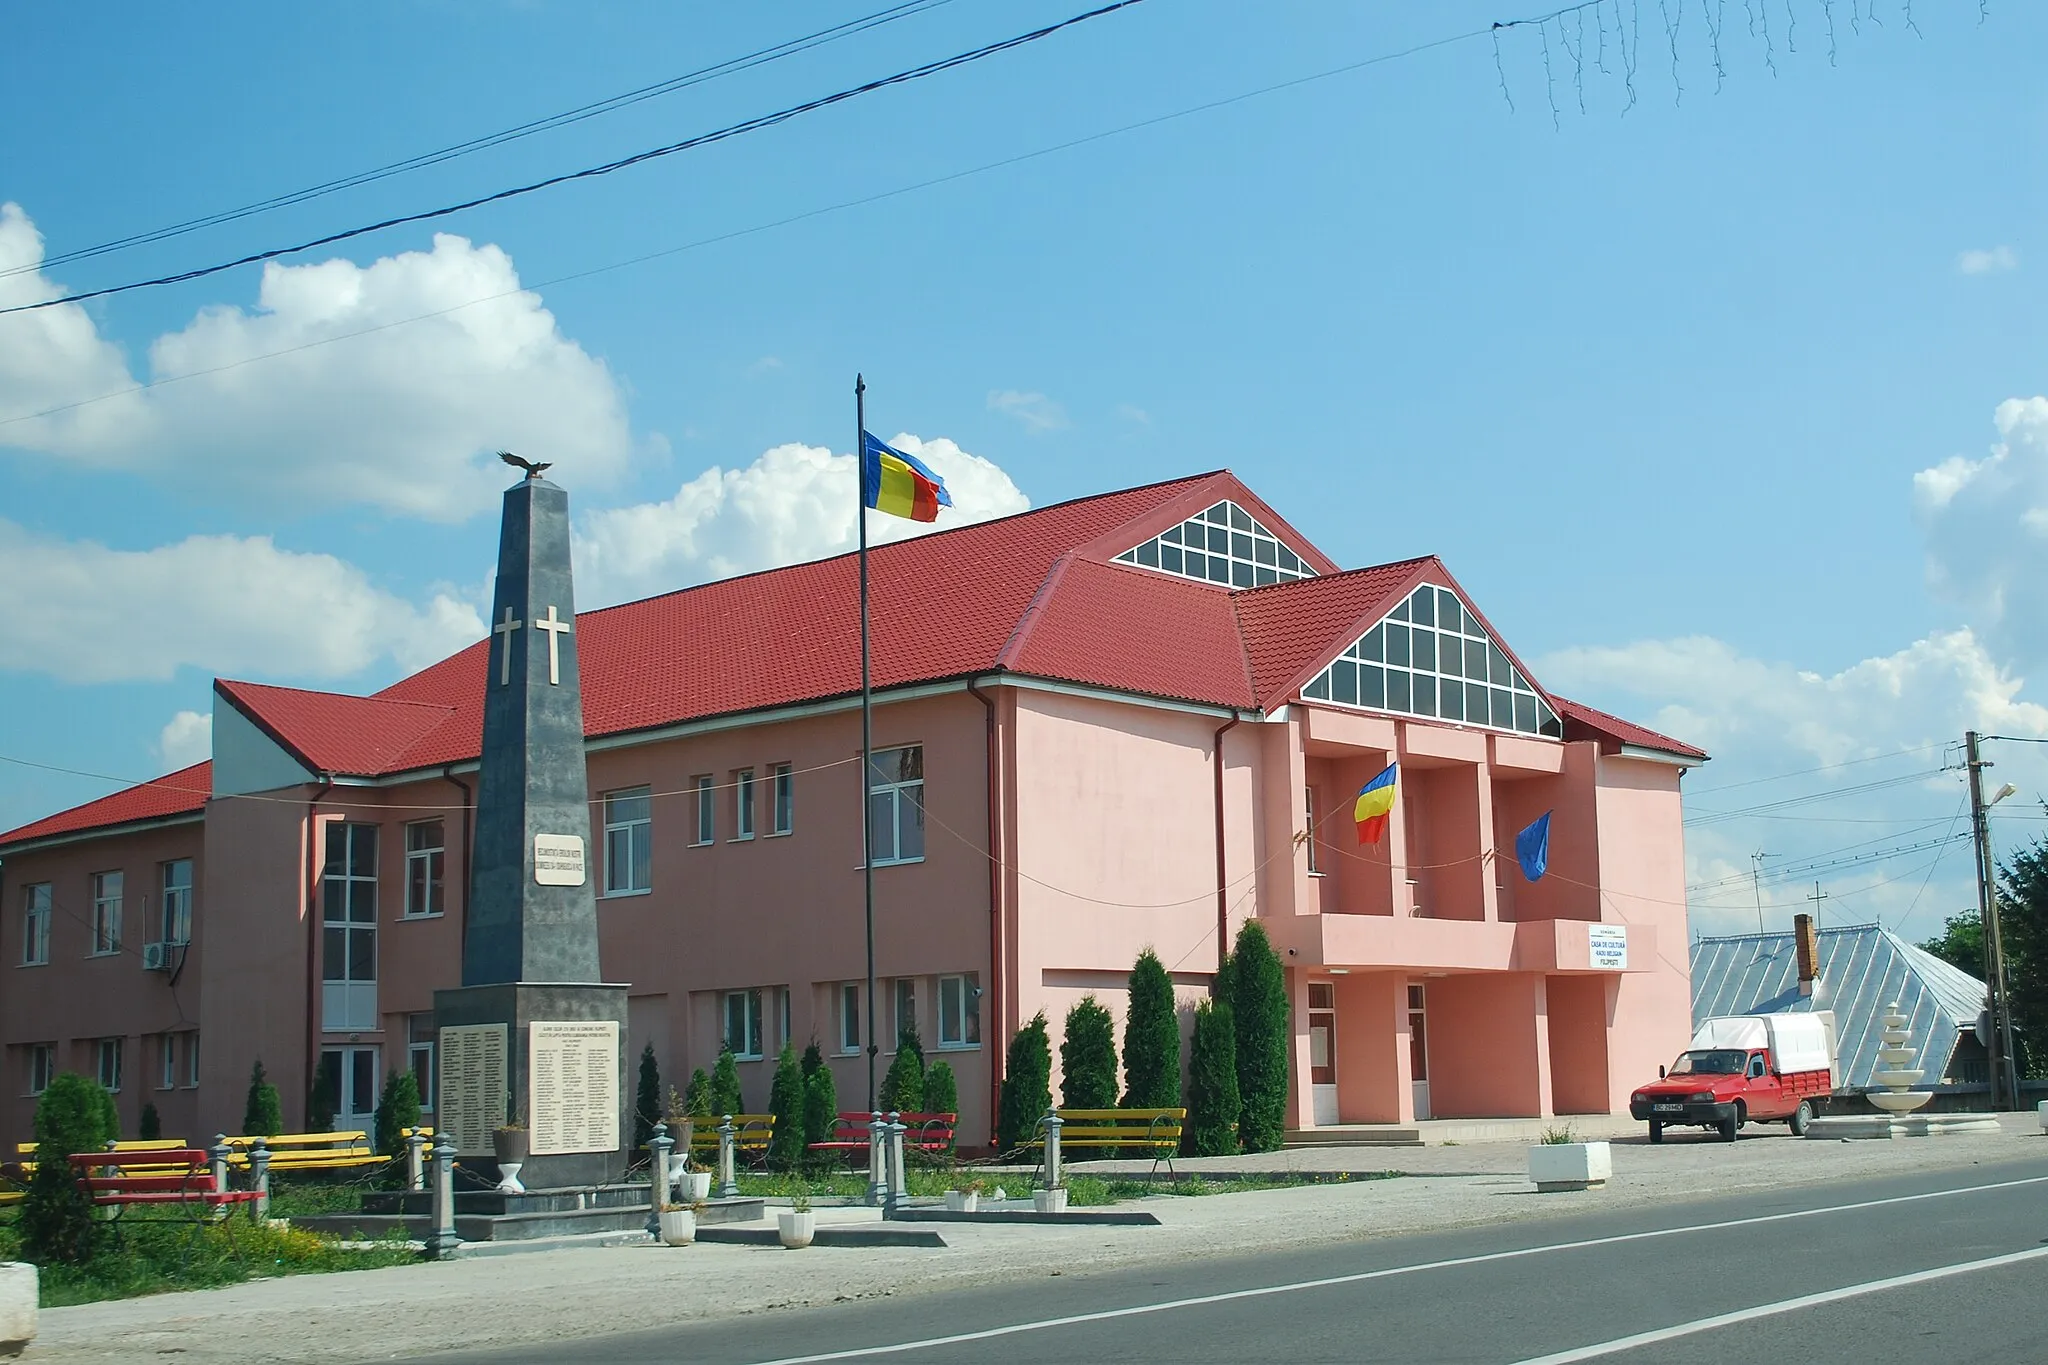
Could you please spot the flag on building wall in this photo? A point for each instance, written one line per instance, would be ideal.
(1532, 848)
(1375, 800)
(899, 484)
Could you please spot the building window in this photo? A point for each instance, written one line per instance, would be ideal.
(1226, 545)
(628, 842)
(42, 1065)
(788, 1034)
(348, 945)
(192, 1060)
(1308, 797)
(743, 1024)
(706, 829)
(106, 913)
(35, 925)
(1431, 657)
(782, 779)
(906, 1009)
(420, 1054)
(426, 867)
(167, 1058)
(110, 1064)
(743, 803)
(849, 1017)
(177, 901)
(959, 1011)
(896, 805)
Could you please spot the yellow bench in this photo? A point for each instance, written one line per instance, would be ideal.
(1141, 1130)
(310, 1151)
(755, 1132)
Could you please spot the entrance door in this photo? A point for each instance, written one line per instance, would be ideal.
(1322, 1052)
(350, 1076)
(1418, 1050)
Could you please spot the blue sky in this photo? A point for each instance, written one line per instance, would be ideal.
(1702, 400)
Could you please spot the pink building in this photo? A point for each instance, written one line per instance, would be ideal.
(1132, 720)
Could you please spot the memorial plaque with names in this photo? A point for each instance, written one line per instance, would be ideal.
(473, 1085)
(557, 860)
(573, 1086)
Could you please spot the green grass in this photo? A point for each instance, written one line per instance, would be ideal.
(301, 1198)
(1083, 1191)
(156, 1258)
(1091, 1191)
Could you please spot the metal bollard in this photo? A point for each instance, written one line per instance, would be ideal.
(728, 1177)
(443, 1240)
(1053, 1124)
(220, 1152)
(415, 1161)
(878, 1161)
(899, 1186)
(259, 1179)
(658, 1179)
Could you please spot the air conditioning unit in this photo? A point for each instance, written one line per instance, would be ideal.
(156, 957)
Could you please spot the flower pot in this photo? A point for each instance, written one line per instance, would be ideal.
(678, 1227)
(18, 1296)
(510, 1144)
(797, 1229)
(963, 1201)
(1569, 1166)
(681, 1129)
(508, 1177)
(695, 1186)
(1049, 1201)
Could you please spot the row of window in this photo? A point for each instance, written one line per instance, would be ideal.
(177, 1059)
(109, 896)
(957, 1011)
(1224, 544)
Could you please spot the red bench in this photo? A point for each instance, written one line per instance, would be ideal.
(177, 1179)
(929, 1133)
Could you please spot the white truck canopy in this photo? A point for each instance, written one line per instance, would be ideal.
(1798, 1042)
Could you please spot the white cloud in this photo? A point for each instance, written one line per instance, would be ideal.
(1034, 410)
(1131, 412)
(1988, 261)
(794, 503)
(186, 740)
(1985, 524)
(402, 417)
(83, 612)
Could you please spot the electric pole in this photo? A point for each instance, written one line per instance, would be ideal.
(2004, 1076)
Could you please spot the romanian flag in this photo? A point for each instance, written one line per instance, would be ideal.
(1375, 801)
(899, 484)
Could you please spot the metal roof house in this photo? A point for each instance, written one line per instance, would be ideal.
(1862, 969)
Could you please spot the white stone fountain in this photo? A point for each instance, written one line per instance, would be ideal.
(1898, 1073)
(1899, 1100)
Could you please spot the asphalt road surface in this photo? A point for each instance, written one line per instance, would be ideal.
(1949, 1266)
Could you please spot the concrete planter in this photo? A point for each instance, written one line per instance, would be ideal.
(963, 1201)
(18, 1292)
(695, 1186)
(2041, 1110)
(797, 1229)
(1049, 1201)
(1570, 1166)
(678, 1227)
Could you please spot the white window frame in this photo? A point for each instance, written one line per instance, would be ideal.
(637, 833)
(418, 1049)
(902, 996)
(960, 1016)
(108, 1050)
(781, 799)
(1309, 807)
(106, 912)
(42, 1066)
(426, 864)
(174, 906)
(849, 1019)
(787, 1037)
(348, 1003)
(886, 834)
(743, 795)
(747, 1048)
(35, 924)
(192, 1059)
(705, 816)
(167, 1062)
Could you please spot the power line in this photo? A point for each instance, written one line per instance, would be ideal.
(1714, 817)
(730, 66)
(1824, 768)
(733, 130)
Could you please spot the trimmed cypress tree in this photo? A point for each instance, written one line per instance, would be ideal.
(697, 1098)
(1151, 1038)
(903, 1086)
(814, 1059)
(786, 1103)
(646, 1099)
(724, 1090)
(56, 1222)
(262, 1114)
(1027, 1085)
(1258, 987)
(1088, 1057)
(821, 1104)
(1212, 1083)
(152, 1126)
(398, 1108)
(941, 1090)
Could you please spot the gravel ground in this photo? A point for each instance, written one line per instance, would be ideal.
(569, 1294)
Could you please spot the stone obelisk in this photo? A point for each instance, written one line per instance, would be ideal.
(533, 1037)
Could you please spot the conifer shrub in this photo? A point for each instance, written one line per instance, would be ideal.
(821, 1105)
(151, 1127)
(786, 1103)
(56, 1224)
(724, 1090)
(1088, 1057)
(1151, 1038)
(903, 1085)
(1212, 1083)
(262, 1113)
(941, 1091)
(398, 1108)
(647, 1099)
(1027, 1085)
(697, 1096)
(1258, 999)
(814, 1059)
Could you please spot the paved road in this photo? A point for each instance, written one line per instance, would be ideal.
(1950, 1266)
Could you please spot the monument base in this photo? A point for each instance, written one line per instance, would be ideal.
(1851, 1127)
(519, 1006)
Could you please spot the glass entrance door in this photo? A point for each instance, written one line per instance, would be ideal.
(1418, 1049)
(349, 1076)
(1322, 1051)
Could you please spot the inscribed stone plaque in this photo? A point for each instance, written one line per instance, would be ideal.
(573, 1086)
(1608, 946)
(473, 1077)
(558, 860)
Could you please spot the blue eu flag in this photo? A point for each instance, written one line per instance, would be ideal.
(1532, 848)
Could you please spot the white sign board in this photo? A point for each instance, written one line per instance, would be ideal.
(558, 860)
(1608, 946)
(472, 1099)
(572, 1090)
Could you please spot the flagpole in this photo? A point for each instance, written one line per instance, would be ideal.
(867, 716)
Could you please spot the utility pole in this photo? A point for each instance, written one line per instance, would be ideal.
(2004, 1077)
(1756, 881)
(1817, 897)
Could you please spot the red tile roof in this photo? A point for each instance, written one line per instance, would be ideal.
(1584, 722)
(183, 792)
(1032, 594)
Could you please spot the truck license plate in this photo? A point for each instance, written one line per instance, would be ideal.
(1667, 1108)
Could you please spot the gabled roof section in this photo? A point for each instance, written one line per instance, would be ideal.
(1133, 630)
(1291, 630)
(1613, 733)
(174, 795)
(333, 733)
(1197, 496)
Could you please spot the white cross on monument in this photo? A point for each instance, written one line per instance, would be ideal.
(556, 630)
(505, 628)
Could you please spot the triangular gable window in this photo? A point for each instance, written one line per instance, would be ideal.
(1223, 545)
(1430, 657)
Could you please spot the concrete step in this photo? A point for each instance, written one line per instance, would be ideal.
(514, 1227)
(1354, 1135)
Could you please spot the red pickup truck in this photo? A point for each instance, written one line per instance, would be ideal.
(1742, 1069)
